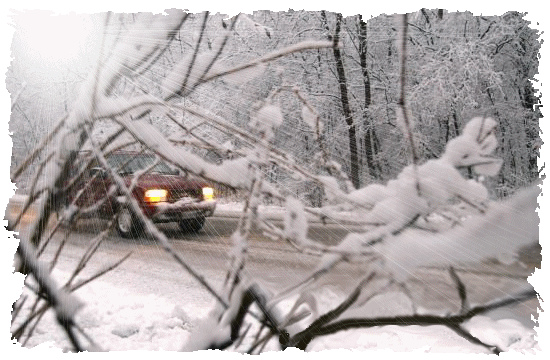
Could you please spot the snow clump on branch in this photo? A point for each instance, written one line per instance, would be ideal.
(295, 220)
(439, 180)
(267, 120)
(398, 205)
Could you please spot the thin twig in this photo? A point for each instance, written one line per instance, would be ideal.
(37, 149)
(299, 339)
(59, 249)
(194, 56)
(33, 328)
(451, 322)
(461, 288)
(466, 335)
(100, 273)
(96, 347)
(17, 306)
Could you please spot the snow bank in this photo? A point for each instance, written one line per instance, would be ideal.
(118, 319)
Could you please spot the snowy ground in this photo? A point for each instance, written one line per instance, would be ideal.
(119, 319)
(235, 208)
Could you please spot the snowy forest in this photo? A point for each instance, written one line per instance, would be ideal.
(420, 130)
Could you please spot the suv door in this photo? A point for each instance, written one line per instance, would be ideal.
(96, 184)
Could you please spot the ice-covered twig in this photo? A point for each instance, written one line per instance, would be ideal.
(72, 212)
(17, 95)
(20, 330)
(331, 167)
(59, 249)
(34, 195)
(266, 119)
(95, 207)
(33, 327)
(36, 189)
(201, 140)
(110, 108)
(38, 314)
(131, 55)
(63, 303)
(209, 171)
(100, 273)
(34, 154)
(70, 140)
(104, 145)
(17, 306)
(290, 319)
(13, 223)
(219, 331)
(304, 45)
(85, 258)
(193, 71)
(191, 66)
(461, 289)
(466, 335)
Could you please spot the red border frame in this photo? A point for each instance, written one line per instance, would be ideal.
(12, 283)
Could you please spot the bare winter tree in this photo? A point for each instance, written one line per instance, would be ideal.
(397, 231)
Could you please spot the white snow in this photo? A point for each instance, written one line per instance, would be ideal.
(433, 339)
(295, 220)
(267, 120)
(501, 231)
(332, 190)
(243, 76)
(505, 333)
(236, 207)
(120, 319)
(479, 128)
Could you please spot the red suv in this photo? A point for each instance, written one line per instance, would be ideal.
(162, 194)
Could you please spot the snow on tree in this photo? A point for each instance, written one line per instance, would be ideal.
(396, 234)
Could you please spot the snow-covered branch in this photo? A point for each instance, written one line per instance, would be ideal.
(454, 322)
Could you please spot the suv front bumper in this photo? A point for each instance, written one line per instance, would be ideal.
(167, 212)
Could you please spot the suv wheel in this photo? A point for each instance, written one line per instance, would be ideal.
(192, 225)
(126, 223)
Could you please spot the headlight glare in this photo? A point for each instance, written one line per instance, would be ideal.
(208, 193)
(156, 195)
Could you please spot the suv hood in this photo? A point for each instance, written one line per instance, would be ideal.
(148, 181)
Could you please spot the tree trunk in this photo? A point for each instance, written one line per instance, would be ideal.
(354, 160)
(455, 122)
(444, 123)
(371, 143)
(527, 96)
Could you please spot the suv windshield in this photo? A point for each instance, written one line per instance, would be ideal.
(130, 163)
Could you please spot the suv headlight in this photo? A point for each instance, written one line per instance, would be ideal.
(208, 193)
(156, 195)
